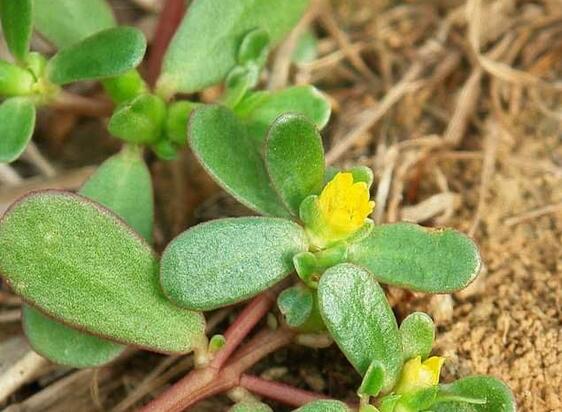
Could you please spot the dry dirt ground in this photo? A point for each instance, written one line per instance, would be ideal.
(457, 107)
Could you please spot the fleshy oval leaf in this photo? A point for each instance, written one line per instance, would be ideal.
(359, 318)
(417, 258)
(205, 46)
(104, 54)
(64, 345)
(294, 157)
(494, 393)
(65, 22)
(324, 406)
(259, 110)
(220, 142)
(17, 122)
(296, 304)
(225, 261)
(418, 333)
(79, 263)
(16, 19)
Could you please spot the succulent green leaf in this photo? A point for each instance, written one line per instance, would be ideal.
(250, 406)
(64, 345)
(107, 53)
(206, 45)
(14, 81)
(496, 395)
(220, 142)
(125, 86)
(65, 22)
(238, 82)
(359, 318)
(177, 119)
(16, 19)
(79, 263)
(258, 112)
(306, 49)
(294, 158)
(139, 120)
(373, 381)
(296, 304)
(324, 406)
(123, 184)
(254, 48)
(225, 261)
(419, 400)
(418, 334)
(17, 121)
(417, 258)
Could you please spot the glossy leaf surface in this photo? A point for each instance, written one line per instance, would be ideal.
(220, 142)
(17, 121)
(16, 19)
(79, 263)
(495, 393)
(359, 318)
(205, 47)
(225, 261)
(418, 258)
(105, 54)
(294, 157)
(65, 22)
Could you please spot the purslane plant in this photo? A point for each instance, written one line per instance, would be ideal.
(84, 264)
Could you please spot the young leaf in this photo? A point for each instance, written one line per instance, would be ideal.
(177, 119)
(373, 381)
(296, 304)
(496, 395)
(254, 48)
(225, 261)
(359, 318)
(250, 406)
(140, 120)
(105, 54)
(79, 263)
(123, 184)
(324, 406)
(221, 144)
(418, 333)
(17, 121)
(207, 42)
(15, 81)
(418, 258)
(294, 157)
(16, 19)
(258, 113)
(64, 345)
(65, 22)
(125, 87)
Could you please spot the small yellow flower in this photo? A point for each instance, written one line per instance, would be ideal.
(417, 375)
(344, 205)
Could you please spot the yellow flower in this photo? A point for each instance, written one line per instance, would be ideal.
(417, 375)
(344, 205)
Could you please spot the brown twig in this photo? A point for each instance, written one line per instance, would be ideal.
(170, 19)
(81, 105)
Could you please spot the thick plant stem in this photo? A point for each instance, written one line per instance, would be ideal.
(245, 322)
(203, 383)
(278, 391)
(170, 18)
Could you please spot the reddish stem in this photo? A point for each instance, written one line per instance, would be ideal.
(243, 324)
(203, 383)
(277, 391)
(170, 19)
